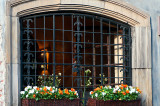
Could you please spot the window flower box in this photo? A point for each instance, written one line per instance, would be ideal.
(95, 102)
(49, 96)
(122, 95)
(50, 102)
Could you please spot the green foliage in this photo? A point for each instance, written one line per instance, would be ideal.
(46, 92)
(122, 92)
(48, 80)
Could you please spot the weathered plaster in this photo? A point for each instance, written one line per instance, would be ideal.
(2, 53)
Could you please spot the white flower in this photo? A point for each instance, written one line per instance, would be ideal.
(133, 90)
(26, 96)
(35, 87)
(88, 71)
(48, 88)
(90, 92)
(36, 92)
(127, 88)
(117, 87)
(103, 93)
(96, 94)
(106, 87)
(136, 91)
(109, 87)
(53, 87)
(119, 90)
(22, 92)
(52, 91)
(130, 87)
(76, 93)
(27, 88)
(56, 89)
(114, 90)
(130, 92)
(31, 91)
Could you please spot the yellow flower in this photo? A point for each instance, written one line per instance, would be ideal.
(73, 90)
(97, 89)
(45, 89)
(60, 92)
(34, 95)
(127, 91)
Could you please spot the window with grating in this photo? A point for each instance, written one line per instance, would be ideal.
(58, 48)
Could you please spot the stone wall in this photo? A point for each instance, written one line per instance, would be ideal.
(2, 53)
(152, 7)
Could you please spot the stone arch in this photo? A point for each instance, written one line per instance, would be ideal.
(112, 8)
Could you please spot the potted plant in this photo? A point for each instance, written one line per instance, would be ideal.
(49, 96)
(122, 95)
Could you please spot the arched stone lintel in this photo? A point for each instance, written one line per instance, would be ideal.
(117, 9)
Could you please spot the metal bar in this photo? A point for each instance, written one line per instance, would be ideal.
(21, 45)
(54, 55)
(123, 53)
(35, 47)
(72, 50)
(118, 51)
(84, 60)
(130, 54)
(94, 59)
(63, 45)
(67, 13)
(75, 53)
(77, 76)
(44, 51)
(101, 29)
(108, 51)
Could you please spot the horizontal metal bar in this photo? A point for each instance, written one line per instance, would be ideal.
(87, 15)
(73, 77)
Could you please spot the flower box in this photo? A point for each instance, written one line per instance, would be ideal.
(122, 95)
(49, 96)
(95, 102)
(50, 102)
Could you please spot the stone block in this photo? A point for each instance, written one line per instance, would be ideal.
(142, 78)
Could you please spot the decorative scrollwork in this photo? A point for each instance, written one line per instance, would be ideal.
(28, 79)
(78, 35)
(28, 43)
(28, 21)
(123, 70)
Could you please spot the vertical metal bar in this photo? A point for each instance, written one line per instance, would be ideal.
(130, 59)
(101, 29)
(94, 59)
(123, 54)
(108, 52)
(22, 80)
(28, 42)
(54, 60)
(84, 61)
(118, 51)
(44, 52)
(72, 49)
(63, 46)
(35, 47)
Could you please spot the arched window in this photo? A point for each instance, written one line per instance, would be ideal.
(58, 48)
